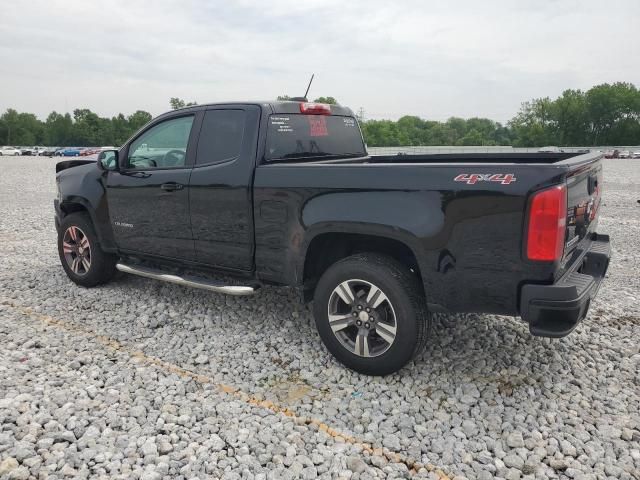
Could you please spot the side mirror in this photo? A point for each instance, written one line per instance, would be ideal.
(108, 160)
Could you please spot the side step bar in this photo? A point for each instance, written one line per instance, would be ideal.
(187, 281)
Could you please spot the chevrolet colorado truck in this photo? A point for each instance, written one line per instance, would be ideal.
(285, 193)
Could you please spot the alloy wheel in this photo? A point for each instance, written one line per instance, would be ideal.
(77, 250)
(362, 318)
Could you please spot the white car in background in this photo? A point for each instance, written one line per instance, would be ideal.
(636, 154)
(12, 151)
(625, 154)
(550, 149)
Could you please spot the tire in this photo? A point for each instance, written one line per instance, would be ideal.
(401, 304)
(90, 270)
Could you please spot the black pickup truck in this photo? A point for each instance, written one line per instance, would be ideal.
(285, 193)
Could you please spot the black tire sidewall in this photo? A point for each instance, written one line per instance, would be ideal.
(407, 334)
(101, 269)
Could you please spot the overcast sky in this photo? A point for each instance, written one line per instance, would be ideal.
(434, 59)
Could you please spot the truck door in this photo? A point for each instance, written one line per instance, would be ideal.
(149, 197)
(221, 187)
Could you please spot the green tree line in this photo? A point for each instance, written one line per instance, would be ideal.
(84, 128)
(607, 114)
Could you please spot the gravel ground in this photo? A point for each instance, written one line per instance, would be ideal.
(140, 379)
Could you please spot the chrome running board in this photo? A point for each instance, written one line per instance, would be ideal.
(187, 281)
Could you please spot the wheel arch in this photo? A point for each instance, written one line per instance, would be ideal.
(327, 247)
(77, 204)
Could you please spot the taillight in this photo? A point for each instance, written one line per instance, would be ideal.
(315, 109)
(547, 224)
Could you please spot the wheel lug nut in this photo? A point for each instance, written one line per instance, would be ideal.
(354, 314)
(366, 325)
(371, 319)
(368, 309)
(358, 323)
(359, 307)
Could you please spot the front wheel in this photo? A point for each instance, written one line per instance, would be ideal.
(80, 254)
(371, 313)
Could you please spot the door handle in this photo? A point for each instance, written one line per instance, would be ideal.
(171, 186)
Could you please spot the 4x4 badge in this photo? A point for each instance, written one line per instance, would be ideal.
(473, 178)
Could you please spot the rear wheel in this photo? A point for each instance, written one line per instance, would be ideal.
(371, 314)
(80, 254)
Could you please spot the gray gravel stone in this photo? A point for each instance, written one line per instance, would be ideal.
(513, 460)
(515, 440)
(356, 465)
(7, 465)
(20, 473)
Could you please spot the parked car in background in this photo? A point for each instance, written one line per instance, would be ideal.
(612, 153)
(48, 151)
(636, 154)
(549, 149)
(90, 151)
(625, 154)
(68, 152)
(10, 151)
(27, 150)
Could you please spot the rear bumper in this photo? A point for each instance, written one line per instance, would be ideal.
(555, 310)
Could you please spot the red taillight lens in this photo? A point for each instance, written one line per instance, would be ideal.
(315, 109)
(547, 224)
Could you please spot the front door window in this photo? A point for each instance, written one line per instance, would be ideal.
(162, 146)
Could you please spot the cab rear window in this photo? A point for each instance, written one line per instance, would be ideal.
(297, 136)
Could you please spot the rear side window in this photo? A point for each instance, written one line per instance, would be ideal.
(297, 136)
(220, 136)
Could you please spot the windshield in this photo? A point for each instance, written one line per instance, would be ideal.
(296, 136)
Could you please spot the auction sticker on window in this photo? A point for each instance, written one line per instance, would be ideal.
(281, 123)
(318, 126)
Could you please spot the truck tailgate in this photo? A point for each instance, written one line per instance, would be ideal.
(584, 189)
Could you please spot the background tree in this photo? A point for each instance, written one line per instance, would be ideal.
(607, 114)
(329, 100)
(177, 103)
(59, 129)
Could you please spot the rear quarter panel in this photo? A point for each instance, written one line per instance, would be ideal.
(467, 238)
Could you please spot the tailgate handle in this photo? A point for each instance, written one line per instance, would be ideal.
(171, 186)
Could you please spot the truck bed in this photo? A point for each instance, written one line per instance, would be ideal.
(463, 214)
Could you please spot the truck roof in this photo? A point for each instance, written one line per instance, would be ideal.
(276, 106)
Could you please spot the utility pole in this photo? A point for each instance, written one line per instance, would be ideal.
(360, 115)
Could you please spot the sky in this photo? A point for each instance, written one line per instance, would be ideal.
(430, 58)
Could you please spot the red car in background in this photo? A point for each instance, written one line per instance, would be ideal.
(612, 154)
(89, 151)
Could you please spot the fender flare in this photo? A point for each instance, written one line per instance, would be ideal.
(105, 238)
